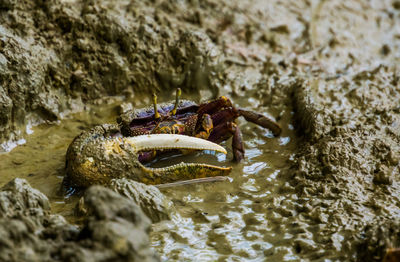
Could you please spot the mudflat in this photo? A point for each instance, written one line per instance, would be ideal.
(326, 71)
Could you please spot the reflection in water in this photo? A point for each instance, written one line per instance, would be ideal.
(284, 140)
(255, 168)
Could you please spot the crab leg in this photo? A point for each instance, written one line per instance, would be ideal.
(224, 131)
(213, 106)
(261, 120)
(237, 144)
(221, 133)
(225, 116)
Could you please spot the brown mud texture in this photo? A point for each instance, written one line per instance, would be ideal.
(57, 55)
(334, 63)
(115, 230)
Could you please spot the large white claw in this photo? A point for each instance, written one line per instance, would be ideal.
(171, 141)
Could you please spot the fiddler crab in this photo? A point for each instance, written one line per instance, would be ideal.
(114, 151)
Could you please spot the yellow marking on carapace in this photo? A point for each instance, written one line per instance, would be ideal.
(165, 130)
(203, 135)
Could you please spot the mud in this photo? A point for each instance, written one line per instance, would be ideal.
(327, 71)
(115, 229)
(152, 202)
(349, 166)
(58, 55)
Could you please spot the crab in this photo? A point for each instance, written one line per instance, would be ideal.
(114, 151)
(212, 120)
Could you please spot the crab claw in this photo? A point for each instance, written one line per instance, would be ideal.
(101, 159)
(182, 171)
(171, 141)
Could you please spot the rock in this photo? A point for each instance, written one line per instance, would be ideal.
(118, 225)
(153, 203)
(115, 229)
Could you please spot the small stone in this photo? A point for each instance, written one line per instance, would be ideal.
(153, 203)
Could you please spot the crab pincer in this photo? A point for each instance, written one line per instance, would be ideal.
(101, 154)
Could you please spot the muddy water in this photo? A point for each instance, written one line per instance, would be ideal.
(227, 219)
(232, 219)
(41, 160)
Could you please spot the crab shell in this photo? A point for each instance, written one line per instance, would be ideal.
(212, 120)
(145, 117)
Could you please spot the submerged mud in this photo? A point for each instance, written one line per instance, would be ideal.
(327, 71)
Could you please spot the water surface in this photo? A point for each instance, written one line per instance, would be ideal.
(212, 221)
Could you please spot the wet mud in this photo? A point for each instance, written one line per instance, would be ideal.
(115, 230)
(58, 55)
(326, 189)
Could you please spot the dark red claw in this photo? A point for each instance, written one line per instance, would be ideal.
(237, 145)
(225, 116)
(261, 120)
(221, 132)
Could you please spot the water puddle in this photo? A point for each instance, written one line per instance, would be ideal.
(227, 220)
(41, 159)
(230, 220)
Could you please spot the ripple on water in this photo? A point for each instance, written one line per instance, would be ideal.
(255, 168)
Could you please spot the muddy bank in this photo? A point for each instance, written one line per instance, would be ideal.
(115, 229)
(346, 176)
(57, 55)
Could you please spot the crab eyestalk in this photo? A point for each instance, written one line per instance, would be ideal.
(178, 95)
(156, 114)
